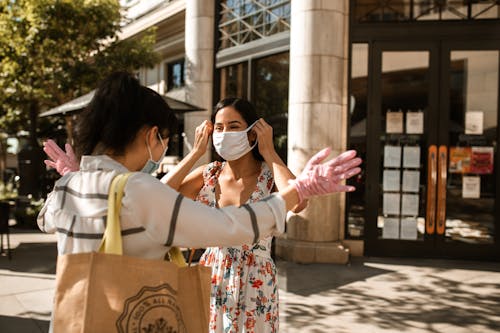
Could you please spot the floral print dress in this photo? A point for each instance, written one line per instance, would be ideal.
(244, 293)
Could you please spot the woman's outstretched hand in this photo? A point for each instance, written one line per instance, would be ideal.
(319, 178)
(62, 161)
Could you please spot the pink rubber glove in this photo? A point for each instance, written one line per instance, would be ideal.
(324, 178)
(62, 161)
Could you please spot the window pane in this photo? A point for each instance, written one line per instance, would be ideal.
(377, 10)
(271, 96)
(246, 20)
(489, 9)
(234, 81)
(421, 10)
(471, 190)
(175, 74)
(405, 92)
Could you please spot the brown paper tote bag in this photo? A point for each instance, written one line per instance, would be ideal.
(109, 292)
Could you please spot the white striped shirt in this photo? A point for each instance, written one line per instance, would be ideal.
(77, 207)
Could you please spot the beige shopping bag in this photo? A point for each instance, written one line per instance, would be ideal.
(106, 292)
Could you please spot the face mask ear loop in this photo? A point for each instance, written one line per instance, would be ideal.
(256, 139)
(161, 140)
(149, 150)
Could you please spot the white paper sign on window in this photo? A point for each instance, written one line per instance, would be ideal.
(409, 204)
(411, 181)
(391, 203)
(392, 156)
(415, 122)
(471, 187)
(394, 122)
(474, 122)
(409, 228)
(411, 157)
(391, 180)
(391, 228)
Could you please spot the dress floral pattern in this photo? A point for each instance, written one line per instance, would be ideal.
(244, 293)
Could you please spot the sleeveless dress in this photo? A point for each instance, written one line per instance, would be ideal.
(244, 292)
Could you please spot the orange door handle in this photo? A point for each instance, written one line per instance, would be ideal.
(441, 189)
(430, 219)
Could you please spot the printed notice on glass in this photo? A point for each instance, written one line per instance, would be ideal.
(409, 204)
(392, 156)
(391, 180)
(409, 228)
(391, 204)
(411, 181)
(474, 122)
(411, 157)
(415, 122)
(394, 122)
(481, 160)
(471, 187)
(459, 161)
(391, 228)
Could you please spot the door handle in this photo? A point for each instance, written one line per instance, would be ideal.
(441, 189)
(430, 218)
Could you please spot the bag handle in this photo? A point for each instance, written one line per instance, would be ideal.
(175, 254)
(112, 239)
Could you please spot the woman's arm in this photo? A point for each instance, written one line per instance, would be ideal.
(280, 171)
(200, 226)
(177, 177)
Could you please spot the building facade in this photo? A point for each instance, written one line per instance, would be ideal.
(413, 85)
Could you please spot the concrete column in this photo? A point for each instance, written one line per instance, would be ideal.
(317, 118)
(199, 47)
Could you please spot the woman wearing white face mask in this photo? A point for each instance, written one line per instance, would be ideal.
(244, 281)
(244, 294)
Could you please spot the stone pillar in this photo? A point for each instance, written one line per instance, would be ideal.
(199, 44)
(317, 118)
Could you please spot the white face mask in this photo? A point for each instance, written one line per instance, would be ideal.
(232, 145)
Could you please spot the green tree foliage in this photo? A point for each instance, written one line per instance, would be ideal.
(52, 51)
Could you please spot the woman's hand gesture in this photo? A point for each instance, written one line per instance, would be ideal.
(62, 161)
(319, 178)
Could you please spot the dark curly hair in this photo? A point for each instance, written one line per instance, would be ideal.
(121, 106)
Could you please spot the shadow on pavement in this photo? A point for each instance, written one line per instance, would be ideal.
(24, 325)
(440, 264)
(434, 296)
(32, 258)
(305, 279)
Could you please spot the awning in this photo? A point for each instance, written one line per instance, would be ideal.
(81, 102)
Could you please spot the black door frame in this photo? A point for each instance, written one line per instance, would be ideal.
(439, 38)
(465, 250)
(374, 245)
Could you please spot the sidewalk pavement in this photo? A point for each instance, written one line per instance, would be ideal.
(368, 295)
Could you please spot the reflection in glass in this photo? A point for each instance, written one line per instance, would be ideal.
(471, 187)
(234, 80)
(270, 86)
(405, 91)
(357, 137)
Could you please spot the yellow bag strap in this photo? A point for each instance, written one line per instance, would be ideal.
(175, 256)
(112, 239)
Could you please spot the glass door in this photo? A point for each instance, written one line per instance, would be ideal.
(431, 157)
(467, 224)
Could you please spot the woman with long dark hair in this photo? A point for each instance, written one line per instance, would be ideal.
(126, 128)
